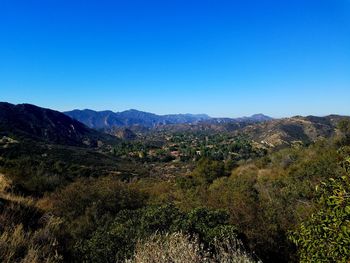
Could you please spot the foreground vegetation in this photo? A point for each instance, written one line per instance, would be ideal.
(70, 204)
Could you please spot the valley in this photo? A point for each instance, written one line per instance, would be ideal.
(73, 191)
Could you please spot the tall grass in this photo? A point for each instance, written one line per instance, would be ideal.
(20, 245)
(180, 248)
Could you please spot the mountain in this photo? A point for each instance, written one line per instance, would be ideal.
(296, 129)
(30, 121)
(129, 118)
(258, 118)
(109, 119)
(240, 120)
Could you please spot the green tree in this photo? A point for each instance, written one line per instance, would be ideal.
(209, 170)
(344, 128)
(325, 236)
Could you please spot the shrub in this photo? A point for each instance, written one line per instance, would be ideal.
(209, 170)
(116, 240)
(325, 236)
(100, 196)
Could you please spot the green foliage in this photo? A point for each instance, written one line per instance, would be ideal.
(37, 168)
(104, 195)
(110, 201)
(208, 224)
(186, 182)
(267, 199)
(325, 236)
(344, 128)
(116, 239)
(209, 170)
(93, 200)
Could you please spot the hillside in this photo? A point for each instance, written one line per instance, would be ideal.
(296, 129)
(211, 179)
(44, 149)
(33, 122)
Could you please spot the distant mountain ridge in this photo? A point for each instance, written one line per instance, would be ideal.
(109, 119)
(53, 127)
(33, 122)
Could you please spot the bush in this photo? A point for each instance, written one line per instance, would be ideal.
(98, 196)
(209, 170)
(116, 240)
(325, 236)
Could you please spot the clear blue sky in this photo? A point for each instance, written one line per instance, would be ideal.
(224, 58)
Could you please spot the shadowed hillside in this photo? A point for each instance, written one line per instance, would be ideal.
(29, 121)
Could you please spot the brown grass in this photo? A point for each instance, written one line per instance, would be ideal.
(20, 245)
(181, 248)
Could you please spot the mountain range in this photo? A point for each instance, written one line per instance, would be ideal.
(50, 126)
(110, 119)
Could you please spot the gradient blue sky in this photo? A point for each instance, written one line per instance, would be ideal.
(224, 58)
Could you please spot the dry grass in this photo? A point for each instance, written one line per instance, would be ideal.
(24, 246)
(230, 251)
(181, 248)
(4, 183)
(5, 193)
(19, 242)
